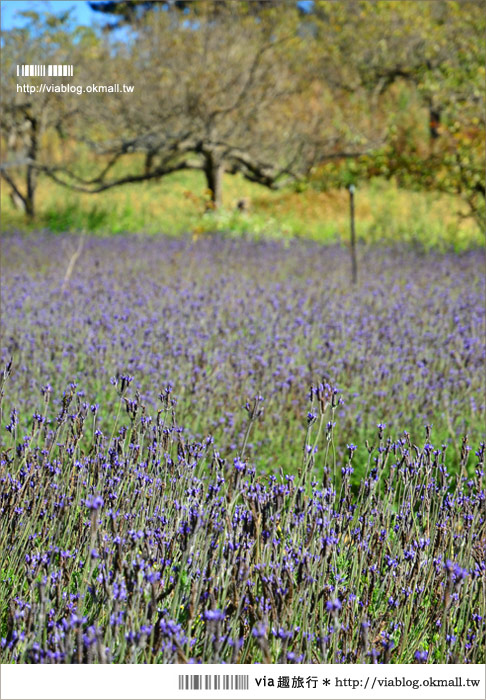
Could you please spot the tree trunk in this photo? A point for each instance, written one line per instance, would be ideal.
(213, 170)
(26, 202)
(29, 200)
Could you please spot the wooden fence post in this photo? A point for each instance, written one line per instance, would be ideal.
(354, 261)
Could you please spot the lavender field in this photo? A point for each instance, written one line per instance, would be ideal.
(221, 451)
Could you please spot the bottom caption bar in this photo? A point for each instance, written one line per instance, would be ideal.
(265, 682)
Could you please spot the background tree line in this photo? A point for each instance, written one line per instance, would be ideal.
(322, 95)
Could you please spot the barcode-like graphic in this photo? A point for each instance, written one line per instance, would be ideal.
(52, 70)
(220, 682)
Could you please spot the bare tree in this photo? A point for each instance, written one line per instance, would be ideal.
(28, 112)
(233, 93)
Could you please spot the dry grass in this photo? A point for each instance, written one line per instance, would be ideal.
(178, 204)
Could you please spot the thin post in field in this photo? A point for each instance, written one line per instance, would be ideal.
(354, 261)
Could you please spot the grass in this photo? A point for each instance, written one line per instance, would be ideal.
(179, 204)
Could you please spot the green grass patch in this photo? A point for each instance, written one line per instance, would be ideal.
(180, 203)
